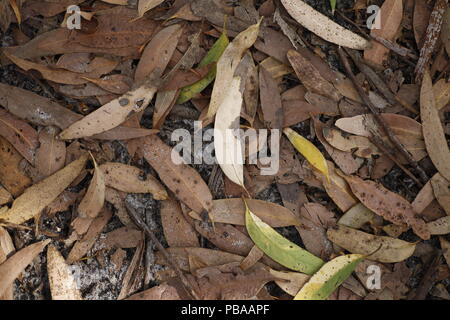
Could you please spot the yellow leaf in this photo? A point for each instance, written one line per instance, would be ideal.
(309, 151)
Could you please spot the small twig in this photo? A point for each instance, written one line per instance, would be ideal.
(392, 137)
(141, 225)
(401, 51)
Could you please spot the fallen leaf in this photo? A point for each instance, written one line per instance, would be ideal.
(232, 211)
(227, 64)
(387, 204)
(13, 267)
(112, 114)
(433, 132)
(330, 276)
(271, 106)
(279, 248)
(310, 77)
(63, 285)
(12, 178)
(290, 282)
(441, 189)
(309, 151)
(131, 179)
(357, 217)
(440, 226)
(51, 154)
(93, 200)
(378, 248)
(147, 5)
(163, 291)
(391, 16)
(41, 194)
(6, 249)
(441, 90)
(177, 230)
(180, 178)
(20, 134)
(158, 52)
(227, 144)
(322, 26)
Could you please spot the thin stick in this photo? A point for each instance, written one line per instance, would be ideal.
(392, 137)
(141, 225)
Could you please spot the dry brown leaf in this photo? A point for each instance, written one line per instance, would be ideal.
(345, 160)
(146, 5)
(310, 76)
(391, 14)
(6, 249)
(181, 179)
(131, 179)
(116, 198)
(433, 131)
(161, 292)
(94, 198)
(13, 267)
(124, 238)
(441, 189)
(441, 90)
(40, 195)
(232, 211)
(5, 196)
(315, 220)
(177, 231)
(20, 134)
(51, 154)
(387, 204)
(271, 106)
(63, 285)
(95, 226)
(158, 52)
(12, 178)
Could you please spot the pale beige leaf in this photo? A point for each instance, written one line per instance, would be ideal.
(227, 64)
(6, 249)
(146, 5)
(94, 198)
(322, 26)
(440, 226)
(433, 131)
(227, 145)
(131, 179)
(40, 195)
(13, 267)
(111, 114)
(63, 285)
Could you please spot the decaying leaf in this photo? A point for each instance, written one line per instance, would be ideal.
(433, 131)
(13, 267)
(20, 134)
(441, 189)
(111, 114)
(311, 77)
(279, 248)
(330, 276)
(440, 226)
(131, 180)
(378, 248)
(51, 154)
(387, 204)
(181, 179)
(63, 285)
(146, 5)
(94, 198)
(6, 250)
(227, 64)
(177, 231)
(322, 26)
(38, 196)
(227, 144)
